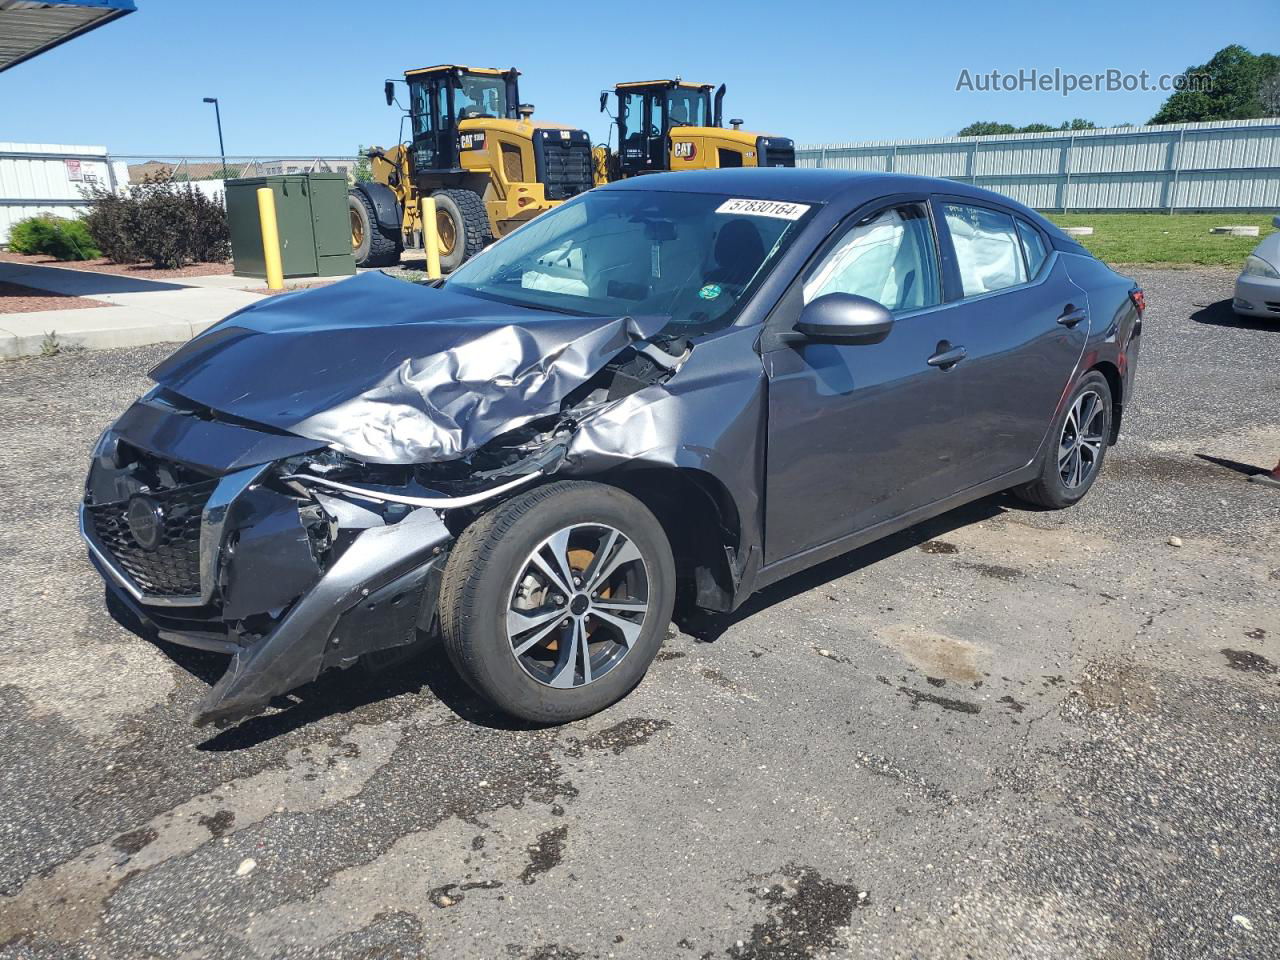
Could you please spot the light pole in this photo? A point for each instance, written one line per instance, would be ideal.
(222, 151)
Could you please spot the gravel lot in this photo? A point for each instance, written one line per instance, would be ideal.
(1004, 734)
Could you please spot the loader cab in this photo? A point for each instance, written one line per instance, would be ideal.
(646, 114)
(440, 97)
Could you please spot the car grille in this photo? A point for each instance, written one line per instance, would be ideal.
(1273, 306)
(564, 163)
(172, 568)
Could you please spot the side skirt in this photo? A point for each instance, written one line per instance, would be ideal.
(781, 569)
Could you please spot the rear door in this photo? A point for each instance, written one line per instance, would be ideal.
(859, 434)
(1023, 325)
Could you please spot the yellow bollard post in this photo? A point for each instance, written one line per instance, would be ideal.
(431, 238)
(270, 238)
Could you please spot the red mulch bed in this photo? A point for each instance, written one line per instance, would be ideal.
(15, 298)
(144, 270)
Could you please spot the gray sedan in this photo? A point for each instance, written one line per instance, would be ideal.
(668, 391)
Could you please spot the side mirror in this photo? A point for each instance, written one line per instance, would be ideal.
(844, 318)
(390, 90)
(1276, 221)
(604, 99)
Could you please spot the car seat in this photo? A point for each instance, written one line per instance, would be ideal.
(738, 253)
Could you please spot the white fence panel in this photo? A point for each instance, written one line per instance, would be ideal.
(49, 178)
(1229, 165)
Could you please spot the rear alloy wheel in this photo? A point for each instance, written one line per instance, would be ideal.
(1082, 432)
(555, 603)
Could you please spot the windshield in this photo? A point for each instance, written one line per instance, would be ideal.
(481, 96)
(694, 258)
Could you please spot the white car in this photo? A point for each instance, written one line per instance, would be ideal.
(1258, 286)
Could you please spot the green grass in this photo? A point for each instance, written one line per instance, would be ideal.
(1179, 239)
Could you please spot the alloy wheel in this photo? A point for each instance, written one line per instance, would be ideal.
(1080, 446)
(578, 605)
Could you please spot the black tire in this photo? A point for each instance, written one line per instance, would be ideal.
(482, 575)
(1050, 489)
(471, 230)
(378, 246)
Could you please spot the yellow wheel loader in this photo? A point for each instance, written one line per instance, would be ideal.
(473, 147)
(675, 125)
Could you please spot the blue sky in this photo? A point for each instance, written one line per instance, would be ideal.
(299, 78)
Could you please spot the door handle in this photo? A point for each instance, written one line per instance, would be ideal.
(1070, 316)
(947, 359)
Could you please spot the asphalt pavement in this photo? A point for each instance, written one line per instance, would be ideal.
(1006, 733)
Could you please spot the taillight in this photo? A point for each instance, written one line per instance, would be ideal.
(1139, 300)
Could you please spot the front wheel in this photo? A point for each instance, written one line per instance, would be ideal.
(1077, 446)
(462, 226)
(555, 602)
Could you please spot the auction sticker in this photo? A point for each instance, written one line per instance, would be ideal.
(778, 209)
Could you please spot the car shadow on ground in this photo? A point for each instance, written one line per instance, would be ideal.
(375, 679)
(707, 628)
(425, 664)
(1220, 314)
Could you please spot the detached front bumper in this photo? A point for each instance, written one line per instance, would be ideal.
(255, 568)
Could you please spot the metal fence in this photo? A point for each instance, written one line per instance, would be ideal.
(50, 178)
(1228, 165)
(201, 168)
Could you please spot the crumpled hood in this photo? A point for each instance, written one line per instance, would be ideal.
(393, 372)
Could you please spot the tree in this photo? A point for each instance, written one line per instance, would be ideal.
(363, 170)
(987, 128)
(1234, 85)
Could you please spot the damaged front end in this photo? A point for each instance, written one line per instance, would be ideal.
(293, 554)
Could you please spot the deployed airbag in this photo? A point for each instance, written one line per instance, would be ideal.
(393, 372)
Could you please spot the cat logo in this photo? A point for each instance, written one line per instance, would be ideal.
(684, 149)
(471, 141)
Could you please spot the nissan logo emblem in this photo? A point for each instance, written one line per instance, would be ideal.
(146, 522)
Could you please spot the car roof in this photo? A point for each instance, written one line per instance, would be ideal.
(846, 188)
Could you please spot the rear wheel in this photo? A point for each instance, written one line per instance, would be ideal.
(462, 225)
(371, 244)
(1081, 434)
(555, 603)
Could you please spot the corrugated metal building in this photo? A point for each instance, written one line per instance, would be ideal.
(49, 178)
(1226, 165)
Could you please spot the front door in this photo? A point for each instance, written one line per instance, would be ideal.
(860, 434)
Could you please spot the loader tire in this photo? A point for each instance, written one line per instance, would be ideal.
(463, 225)
(372, 244)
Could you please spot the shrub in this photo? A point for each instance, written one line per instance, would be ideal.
(53, 236)
(165, 223)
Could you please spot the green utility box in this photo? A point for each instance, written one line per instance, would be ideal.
(313, 219)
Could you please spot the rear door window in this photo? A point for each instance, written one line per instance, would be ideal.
(1033, 246)
(988, 252)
